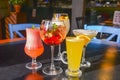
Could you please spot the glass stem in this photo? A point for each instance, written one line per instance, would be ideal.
(34, 63)
(59, 50)
(52, 67)
(83, 57)
(34, 70)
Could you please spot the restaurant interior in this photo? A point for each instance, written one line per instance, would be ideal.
(59, 39)
(32, 11)
(93, 12)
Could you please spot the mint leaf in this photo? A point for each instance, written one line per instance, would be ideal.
(33, 26)
(54, 26)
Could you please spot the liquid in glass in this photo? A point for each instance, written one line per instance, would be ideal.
(74, 48)
(33, 47)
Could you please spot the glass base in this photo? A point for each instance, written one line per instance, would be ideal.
(49, 71)
(35, 66)
(73, 73)
(85, 64)
(58, 58)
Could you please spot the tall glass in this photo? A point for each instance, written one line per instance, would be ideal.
(87, 35)
(33, 47)
(74, 47)
(65, 18)
(52, 33)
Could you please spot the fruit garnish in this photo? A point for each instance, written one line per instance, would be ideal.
(33, 27)
(61, 18)
(54, 26)
(66, 17)
(86, 38)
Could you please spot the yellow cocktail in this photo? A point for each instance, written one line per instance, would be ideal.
(87, 35)
(74, 48)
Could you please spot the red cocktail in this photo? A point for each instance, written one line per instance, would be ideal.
(53, 36)
(52, 33)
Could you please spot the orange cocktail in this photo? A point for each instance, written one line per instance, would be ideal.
(33, 46)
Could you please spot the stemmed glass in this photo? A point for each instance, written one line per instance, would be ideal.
(52, 33)
(65, 18)
(87, 35)
(33, 47)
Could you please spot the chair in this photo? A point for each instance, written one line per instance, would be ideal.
(20, 27)
(112, 32)
(79, 22)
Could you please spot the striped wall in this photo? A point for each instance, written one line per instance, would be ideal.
(14, 18)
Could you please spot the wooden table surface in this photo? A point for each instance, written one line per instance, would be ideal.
(11, 40)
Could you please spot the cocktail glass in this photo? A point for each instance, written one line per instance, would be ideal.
(65, 18)
(52, 33)
(74, 55)
(87, 35)
(33, 47)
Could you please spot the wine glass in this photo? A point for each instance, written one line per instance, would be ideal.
(33, 47)
(65, 18)
(52, 33)
(87, 35)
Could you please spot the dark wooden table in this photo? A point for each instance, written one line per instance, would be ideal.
(104, 56)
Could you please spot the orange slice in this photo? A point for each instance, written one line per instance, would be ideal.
(86, 38)
(61, 18)
(66, 17)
